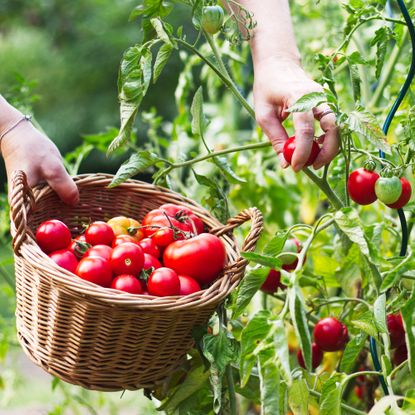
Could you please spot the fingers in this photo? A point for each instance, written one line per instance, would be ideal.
(60, 181)
(304, 136)
(272, 127)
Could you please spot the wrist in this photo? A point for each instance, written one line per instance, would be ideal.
(8, 114)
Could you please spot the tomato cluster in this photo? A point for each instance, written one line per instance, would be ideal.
(366, 186)
(168, 253)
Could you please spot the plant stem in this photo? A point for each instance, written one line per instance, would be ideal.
(232, 394)
(345, 300)
(343, 405)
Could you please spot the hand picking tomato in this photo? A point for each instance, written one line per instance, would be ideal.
(361, 186)
(121, 239)
(127, 283)
(188, 285)
(388, 189)
(99, 233)
(289, 148)
(53, 235)
(150, 247)
(121, 225)
(316, 356)
(273, 282)
(151, 262)
(96, 270)
(330, 335)
(127, 258)
(202, 257)
(405, 196)
(163, 282)
(396, 329)
(102, 251)
(65, 259)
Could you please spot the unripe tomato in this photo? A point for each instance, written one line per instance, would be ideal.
(127, 258)
(202, 257)
(127, 283)
(388, 189)
(316, 356)
(405, 196)
(121, 225)
(188, 285)
(330, 335)
(361, 186)
(151, 262)
(65, 259)
(273, 282)
(122, 239)
(400, 355)
(150, 247)
(163, 282)
(53, 235)
(396, 329)
(95, 269)
(289, 148)
(102, 251)
(212, 18)
(99, 233)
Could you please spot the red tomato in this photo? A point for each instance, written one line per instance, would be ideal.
(53, 235)
(185, 215)
(361, 186)
(99, 233)
(400, 355)
(96, 270)
(188, 285)
(102, 251)
(404, 197)
(359, 391)
(396, 329)
(289, 148)
(273, 282)
(316, 356)
(150, 247)
(127, 283)
(163, 282)
(202, 257)
(330, 335)
(127, 258)
(121, 239)
(79, 246)
(151, 262)
(65, 259)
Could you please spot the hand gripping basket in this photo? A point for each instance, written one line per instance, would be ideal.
(98, 338)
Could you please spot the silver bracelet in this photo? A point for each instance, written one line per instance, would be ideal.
(14, 125)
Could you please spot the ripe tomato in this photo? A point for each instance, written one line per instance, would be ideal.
(121, 239)
(99, 233)
(96, 270)
(150, 247)
(53, 235)
(388, 189)
(289, 148)
(330, 335)
(359, 391)
(188, 285)
(127, 283)
(202, 257)
(404, 197)
(273, 282)
(361, 186)
(127, 258)
(400, 355)
(316, 356)
(65, 259)
(163, 282)
(396, 329)
(184, 215)
(102, 251)
(79, 246)
(151, 262)
(121, 225)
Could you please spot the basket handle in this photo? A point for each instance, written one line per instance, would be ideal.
(21, 202)
(255, 216)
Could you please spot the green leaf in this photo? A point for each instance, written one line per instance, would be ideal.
(162, 58)
(366, 322)
(331, 393)
(161, 33)
(379, 311)
(227, 170)
(101, 141)
(308, 102)
(282, 355)
(408, 316)
(250, 284)
(266, 260)
(355, 80)
(409, 403)
(383, 36)
(298, 397)
(196, 109)
(137, 163)
(276, 244)
(352, 351)
(270, 383)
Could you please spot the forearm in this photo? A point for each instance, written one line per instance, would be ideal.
(8, 116)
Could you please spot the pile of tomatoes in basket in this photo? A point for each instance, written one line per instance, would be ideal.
(168, 253)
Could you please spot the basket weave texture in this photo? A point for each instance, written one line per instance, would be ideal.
(98, 338)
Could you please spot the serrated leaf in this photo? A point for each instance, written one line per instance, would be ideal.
(308, 102)
(161, 33)
(298, 397)
(379, 311)
(266, 260)
(227, 170)
(270, 384)
(331, 394)
(276, 244)
(366, 323)
(281, 351)
(383, 35)
(137, 163)
(352, 351)
(355, 80)
(162, 58)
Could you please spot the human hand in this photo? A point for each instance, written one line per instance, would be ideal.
(278, 84)
(25, 148)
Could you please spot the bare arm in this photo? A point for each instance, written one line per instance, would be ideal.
(280, 81)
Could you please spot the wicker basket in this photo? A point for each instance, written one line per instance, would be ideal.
(98, 338)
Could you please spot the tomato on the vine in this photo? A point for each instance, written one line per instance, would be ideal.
(79, 246)
(316, 356)
(330, 334)
(95, 269)
(53, 235)
(99, 233)
(388, 189)
(163, 282)
(212, 18)
(361, 186)
(405, 196)
(396, 329)
(289, 148)
(127, 258)
(102, 251)
(65, 259)
(400, 354)
(188, 285)
(121, 225)
(127, 283)
(272, 282)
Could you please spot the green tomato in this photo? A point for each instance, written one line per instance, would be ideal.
(212, 19)
(388, 189)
